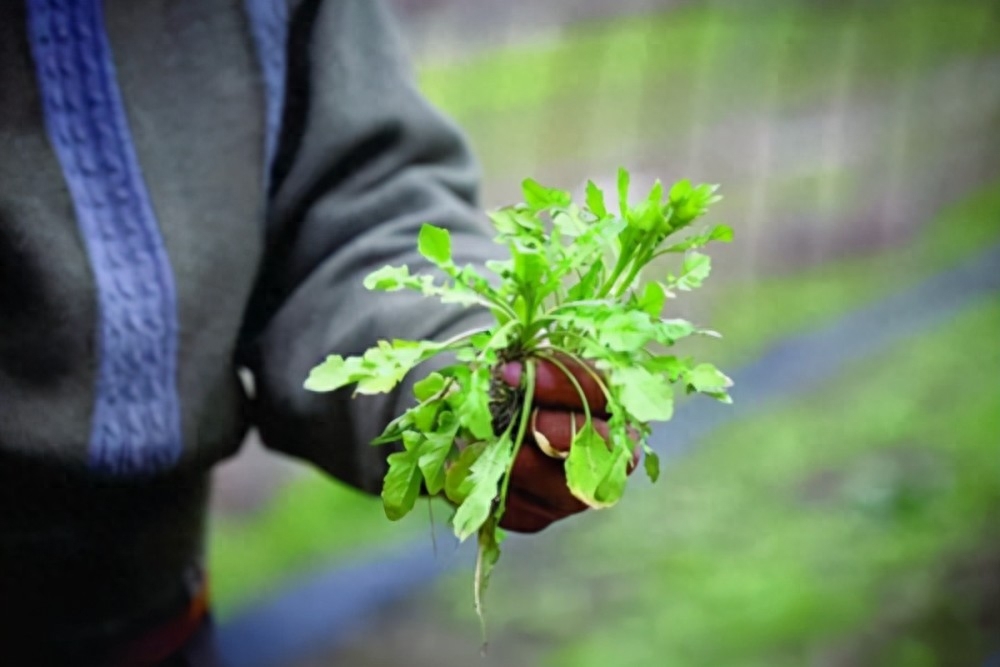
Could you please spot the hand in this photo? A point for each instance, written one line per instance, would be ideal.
(538, 494)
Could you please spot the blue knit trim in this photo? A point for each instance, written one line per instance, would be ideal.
(136, 425)
(269, 25)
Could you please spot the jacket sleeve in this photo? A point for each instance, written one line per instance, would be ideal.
(362, 162)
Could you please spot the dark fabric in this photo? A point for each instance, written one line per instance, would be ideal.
(269, 280)
(84, 560)
(202, 650)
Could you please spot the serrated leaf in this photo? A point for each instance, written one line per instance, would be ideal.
(539, 197)
(401, 486)
(670, 331)
(669, 366)
(387, 279)
(472, 404)
(336, 372)
(485, 475)
(434, 243)
(387, 364)
(694, 271)
(457, 484)
(434, 452)
(626, 331)
(647, 397)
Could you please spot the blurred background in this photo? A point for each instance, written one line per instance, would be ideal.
(846, 510)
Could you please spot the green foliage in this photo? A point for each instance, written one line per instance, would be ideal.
(571, 290)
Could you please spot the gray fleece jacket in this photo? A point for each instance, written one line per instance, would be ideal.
(188, 188)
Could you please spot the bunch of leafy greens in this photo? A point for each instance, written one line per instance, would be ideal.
(571, 292)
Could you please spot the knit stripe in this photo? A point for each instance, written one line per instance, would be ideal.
(136, 426)
(269, 25)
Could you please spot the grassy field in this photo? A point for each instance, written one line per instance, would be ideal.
(787, 536)
(753, 314)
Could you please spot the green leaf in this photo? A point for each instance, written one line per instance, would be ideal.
(626, 331)
(670, 331)
(652, 463)
(594, 473)
(707, 379)
(656, 194)
(401, 486)
(429, 386)
(472, 405)
(539, 197)
(694, 271)
(395, 429)
(646, 216)
(669, 366)
(434, 243)
(680, 191)
(529, 266)
(485, 475)
(612, 487)
(723, 233)
(336, 372)
(457, 484)
(588, 284)
(388, 279)
(434, 452)
(595, 200)
(387, 364)
(647, 397)
(653, 299)
(623, 185)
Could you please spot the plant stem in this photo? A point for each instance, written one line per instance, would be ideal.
(522, 429)
(579, 360)
(619, 268)
(642, 258)
(576, 384)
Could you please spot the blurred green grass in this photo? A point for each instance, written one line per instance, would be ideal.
(311, 522)
(623, 85)
(785, 534)
(751, 314)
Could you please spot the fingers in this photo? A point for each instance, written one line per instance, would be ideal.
(554, 429)
(542, 480)
(554, 389)
(524, 515)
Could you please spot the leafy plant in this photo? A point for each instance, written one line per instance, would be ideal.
(572, 292)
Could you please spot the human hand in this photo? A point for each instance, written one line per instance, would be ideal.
(538, 494)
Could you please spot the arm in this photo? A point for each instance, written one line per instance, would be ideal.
(363, 161)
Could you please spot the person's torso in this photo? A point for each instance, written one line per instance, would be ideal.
(131, 197)
(133, 141)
